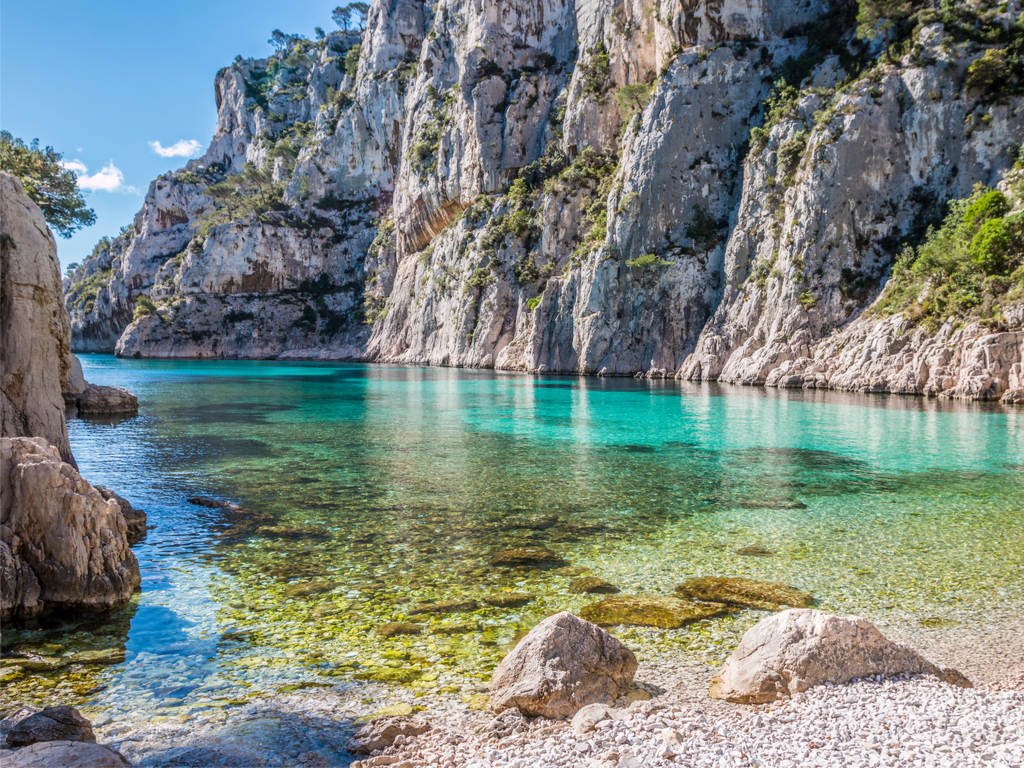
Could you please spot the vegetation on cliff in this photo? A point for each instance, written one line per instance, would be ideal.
(49, 184)
(968, 267)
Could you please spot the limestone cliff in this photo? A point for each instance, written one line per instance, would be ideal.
(34, 327)
(711, 190)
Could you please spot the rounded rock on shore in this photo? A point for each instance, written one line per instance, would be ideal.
(792, 651)
(562, 665)
(65, 754)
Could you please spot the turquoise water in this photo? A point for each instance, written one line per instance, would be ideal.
(369, 489)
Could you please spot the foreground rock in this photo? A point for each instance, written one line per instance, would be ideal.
(35, 332)
(641, 611)
(382, 732)
(790, 652)
(65, 754)
(134, 518)
(51, 724)
(64, 545)
(563, 664)
(766, 596)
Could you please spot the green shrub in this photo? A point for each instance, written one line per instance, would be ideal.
(647, 261)
(964, 268)
(144, 307)
(533, 303)
(789, 154)
(632, 99)
(596, 72)
(352, 61)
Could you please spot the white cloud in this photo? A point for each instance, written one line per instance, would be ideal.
(183, 148)
(109, 179)
(74, 165)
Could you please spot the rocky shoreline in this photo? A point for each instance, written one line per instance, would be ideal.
(666, 719)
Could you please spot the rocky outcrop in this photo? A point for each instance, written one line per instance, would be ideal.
(84, 398)
(792, 651)
(63, 544)
(563, 664)
(34, 328)
(134, 519)
(574, 189)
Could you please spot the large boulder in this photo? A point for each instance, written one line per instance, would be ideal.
(563, 664)
(64, 754)
(35, 332)
(103, 401)
(794, 650)
(74, 542)
(51, 724)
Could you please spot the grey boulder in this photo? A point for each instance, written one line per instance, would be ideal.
(794, 650)
(562, 665)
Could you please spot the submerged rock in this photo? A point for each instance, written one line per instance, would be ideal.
(51, 724)
(382, 732)
(755, 550)
(397, 628)
(450, 606)
(767, 596)
(591, 585)
(527, 557)
(307, 589)
(100, 656)
(642, 611)
(459, 628)
(510, 600)
(794, 650)
(563, 664)
(64, 544)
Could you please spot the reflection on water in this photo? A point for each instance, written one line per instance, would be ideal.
(360, 492)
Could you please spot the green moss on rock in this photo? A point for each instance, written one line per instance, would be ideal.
(642, 611)
(510, 600)
(767, 596)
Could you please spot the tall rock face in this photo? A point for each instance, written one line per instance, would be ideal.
(35, 334)
(569, 188)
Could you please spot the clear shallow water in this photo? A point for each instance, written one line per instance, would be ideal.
(370, 489)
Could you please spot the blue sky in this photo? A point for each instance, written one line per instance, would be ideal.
(101, 81)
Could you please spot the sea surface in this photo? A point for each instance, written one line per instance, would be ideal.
(363, 491)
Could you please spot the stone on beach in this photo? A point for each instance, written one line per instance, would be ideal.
(794, 650)
(768, 596)
(563, 664)
(382, 732)
(51, 724)
(663, 612)
(65, 754)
